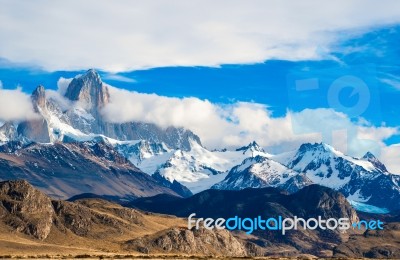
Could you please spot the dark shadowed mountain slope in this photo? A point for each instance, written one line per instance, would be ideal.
(63, 170)
(312, 201)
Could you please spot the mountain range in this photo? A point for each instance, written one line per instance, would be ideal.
(69, 149)
(364, 181)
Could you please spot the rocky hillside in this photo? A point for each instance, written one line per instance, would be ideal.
(29, 211)
(311, 201)
(26, 209)
(98, 227)
(33, 224)
(373, 244)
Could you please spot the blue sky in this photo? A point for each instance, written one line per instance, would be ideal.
(279, 72)
(373, 57)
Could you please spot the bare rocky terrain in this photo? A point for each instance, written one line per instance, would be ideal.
(373, 244)
(34, 225)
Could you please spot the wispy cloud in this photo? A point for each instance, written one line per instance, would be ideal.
(179, 33)
(118, 77)
(391, 80)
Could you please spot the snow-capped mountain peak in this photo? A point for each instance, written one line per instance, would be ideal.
(199, 168)
(357, 178)
(252, 149)
(312, 156)
(251, 146)
(375, 161)
(321, 148)
(362, 180)
(259, 172)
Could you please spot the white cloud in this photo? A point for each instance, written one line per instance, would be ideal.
(15, 105)
(239, 123)
(392, 80)
(123, 35)
(390, 157)
(57, 96)
(198, 115)
(118, 77)
(62, 85)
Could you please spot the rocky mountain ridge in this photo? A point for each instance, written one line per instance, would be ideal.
(63, 170)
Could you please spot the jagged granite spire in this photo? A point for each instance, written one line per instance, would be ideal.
(89, 89)
(92, 94)
(37, 129)
(38, 98)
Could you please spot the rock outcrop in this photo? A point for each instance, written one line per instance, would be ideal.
(26, 209)
(190, 242)
(315, 200)
(35, 129)
(38, 98)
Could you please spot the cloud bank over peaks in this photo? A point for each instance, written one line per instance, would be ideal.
(232, 125)
(15, 105)
(228, 125)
